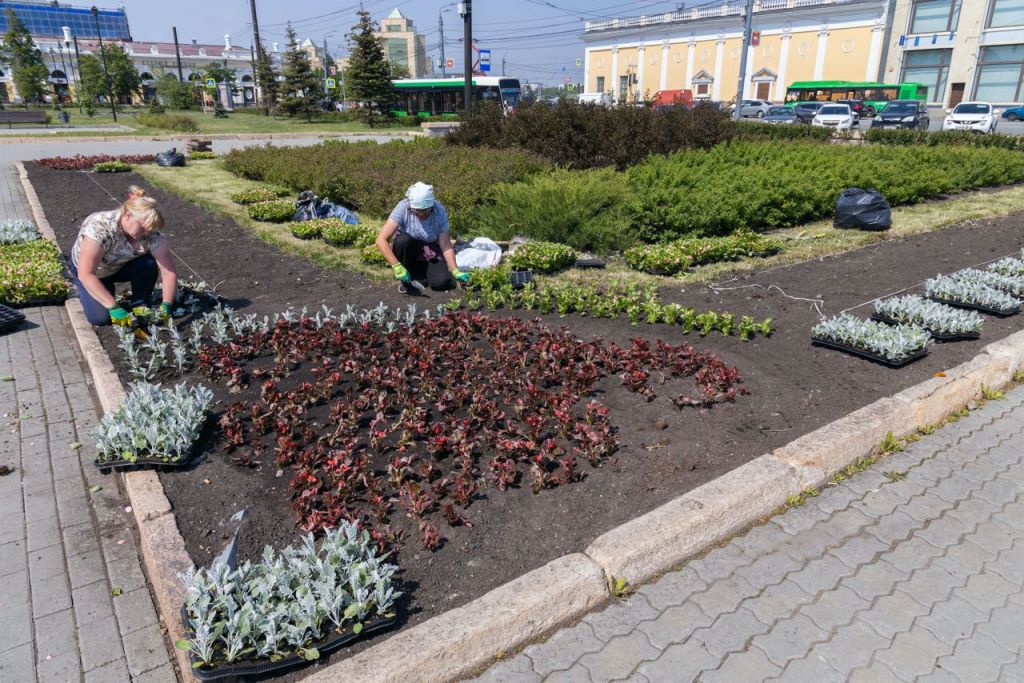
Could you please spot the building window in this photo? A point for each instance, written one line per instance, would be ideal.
(393, 28)
(600, 84)
(935, 16)
(930, 68)
(999, 73)
(1006, 13)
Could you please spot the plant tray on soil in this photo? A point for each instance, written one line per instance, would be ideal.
(10, 318)
(266, 667)
(937, 336)
(1001, 313)
(839, 346)
(159, 464)
(520, 278)
(589, 263)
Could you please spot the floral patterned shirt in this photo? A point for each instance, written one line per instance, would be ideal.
(105, 229)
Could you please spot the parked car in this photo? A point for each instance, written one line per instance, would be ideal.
(781, 115)
(755, 108)
(903, 114)
(978, 117)
(672, 98)
(838, 116)
(806, 111)
(858, 107)
(1014, 113)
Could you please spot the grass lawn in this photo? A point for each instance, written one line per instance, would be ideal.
(237, 122)
(206, 183)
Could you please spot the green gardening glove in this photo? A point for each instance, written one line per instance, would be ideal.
(119, 316)
(163, 313)
(460, 276)
(401, 274)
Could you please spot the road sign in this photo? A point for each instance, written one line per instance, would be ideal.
(568, 80)
(331, 84)
(485, 60)
(332, 70)
(210, 83)
(755, 38)
(579, 61)
(449, 63)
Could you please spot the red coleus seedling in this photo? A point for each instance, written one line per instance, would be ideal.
(423, 416)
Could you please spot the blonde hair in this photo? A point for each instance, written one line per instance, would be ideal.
(143, 209)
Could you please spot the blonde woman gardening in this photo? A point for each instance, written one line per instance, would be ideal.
(422, 251)
(123, 245)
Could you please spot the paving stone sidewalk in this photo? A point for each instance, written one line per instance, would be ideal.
(880, 578)
(67, 542)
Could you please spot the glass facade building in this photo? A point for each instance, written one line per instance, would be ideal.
(47, 20)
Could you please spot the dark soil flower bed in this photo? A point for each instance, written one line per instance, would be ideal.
(662, 450)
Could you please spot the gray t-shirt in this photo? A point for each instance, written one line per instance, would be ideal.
(424, 229)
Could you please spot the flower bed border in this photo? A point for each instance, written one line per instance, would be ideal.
(846, 348)
(937, 336)
(462, 641)
(158, 464)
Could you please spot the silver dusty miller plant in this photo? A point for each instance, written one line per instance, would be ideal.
(15, 232)
(894, 343)
(287, 602)
(931, 315)
(153, 422)
(966, 291)
(1011, 284)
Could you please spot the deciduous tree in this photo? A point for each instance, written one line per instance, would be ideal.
(28, 71)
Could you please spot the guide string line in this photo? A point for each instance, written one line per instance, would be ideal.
(718, 288)
(118, 201)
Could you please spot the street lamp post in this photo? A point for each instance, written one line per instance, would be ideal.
(466, 10)
(103, 59)
(326, 36)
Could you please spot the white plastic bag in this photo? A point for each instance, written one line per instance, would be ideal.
(481, 253)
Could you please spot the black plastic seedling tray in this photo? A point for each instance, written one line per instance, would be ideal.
(862, 353)
(589, 263)
(264, 668)
(159, 464)
(520, 278)
(935, 335)
(984, 309)
(10, 318)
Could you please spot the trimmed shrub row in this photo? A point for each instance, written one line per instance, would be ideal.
(943, 138)
(371, 178)
(759, 185)
(178, 122)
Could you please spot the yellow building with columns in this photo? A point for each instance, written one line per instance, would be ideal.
(699, 48)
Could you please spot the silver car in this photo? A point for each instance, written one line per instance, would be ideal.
(754, 108)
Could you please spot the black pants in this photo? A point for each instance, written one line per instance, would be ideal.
(433, 272)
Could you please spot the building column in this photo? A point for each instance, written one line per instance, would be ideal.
(875, 53)
(586, 71)
(751, 55)
(663, 79)
(691, 51)
(615, 74)
(780, 81)
(716, 89)
(819, 60)
(639, 73)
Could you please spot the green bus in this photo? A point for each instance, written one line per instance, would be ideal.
(875, 95)
(444, 96)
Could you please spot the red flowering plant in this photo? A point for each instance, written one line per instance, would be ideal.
(402, 427)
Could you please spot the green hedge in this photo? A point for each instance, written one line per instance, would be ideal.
(584, 209)
(372, 178)
(178, 122)
(675, 257)
(774, 184)
(943, 138)
(576, 135)
(754, 130)
(542, 257)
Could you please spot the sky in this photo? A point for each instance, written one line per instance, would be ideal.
(538, 39)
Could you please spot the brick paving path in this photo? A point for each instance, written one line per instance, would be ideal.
(877, 579)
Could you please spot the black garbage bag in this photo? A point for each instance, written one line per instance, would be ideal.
(171, 157)
(863, 210)
(308, 206)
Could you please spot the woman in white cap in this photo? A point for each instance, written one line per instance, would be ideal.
(422, 250)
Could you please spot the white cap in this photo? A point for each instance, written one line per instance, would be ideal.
(420, 196)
